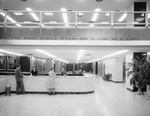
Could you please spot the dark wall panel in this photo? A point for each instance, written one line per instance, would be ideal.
(25, 64)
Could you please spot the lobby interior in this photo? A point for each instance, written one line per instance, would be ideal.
(100, 37)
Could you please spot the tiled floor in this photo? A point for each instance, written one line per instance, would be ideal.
(110, 99)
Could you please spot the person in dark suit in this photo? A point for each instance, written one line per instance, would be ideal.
(64, 72)
(34, 72)
(19, 80)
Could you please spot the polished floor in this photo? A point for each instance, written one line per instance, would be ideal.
(110, 99)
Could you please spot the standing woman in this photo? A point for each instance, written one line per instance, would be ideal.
(51, 82)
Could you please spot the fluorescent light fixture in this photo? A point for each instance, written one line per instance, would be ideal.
(66, 25)
(48, 13)
(79, 55)
(139, 19)
(54, 22)
(107, 14)
(8, 52)
(64, 15)
(80, 14)
(43, 25)
(62, 60)
(104, 22)
(45, 53)
(1, 54)
(97, 59)
(94, 18)
(18, 25)
(148, 53)
(122, 17)
(116, 53)
(18, 13)
(27, 22)
(10, 19)
(79, 22)
(135, 22)
(32, 14)
(142, 14)
(91, 25)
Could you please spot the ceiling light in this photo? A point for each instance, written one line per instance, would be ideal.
(139, 19)
(80, 14)
(66, 25)
(27, 22)
(62, 60)
(93, 60)
(10, 19)
(48, 13)
(116, 53)
(53, 22)
(135, 22)
(45, 53)
(33, 14)
(107, 14)
(18, 13)
(94, 18)
(8, 52)
(79, 55)
(122, 17)
(142, 14)
(91, 25)
(18, 25)
(43, 25)
(64, 15)
(148, 53)
(79, 22)
(104, 22)
(1, 54)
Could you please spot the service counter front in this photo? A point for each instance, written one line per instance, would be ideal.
(64, 84)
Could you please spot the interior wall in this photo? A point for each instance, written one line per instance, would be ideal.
(109, 67)
(115, 67)
(118, 70)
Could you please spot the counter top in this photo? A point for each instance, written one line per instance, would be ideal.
(64, 84)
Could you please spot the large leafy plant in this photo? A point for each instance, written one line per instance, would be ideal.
(141, 75)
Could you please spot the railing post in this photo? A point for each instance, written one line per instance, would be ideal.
(76, 19)
(112, 19)
(41, 17)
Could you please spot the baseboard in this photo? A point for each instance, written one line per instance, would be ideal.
(2, 93)
(116, 81)
(35, 92)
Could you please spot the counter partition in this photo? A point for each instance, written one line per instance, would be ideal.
(64, 84)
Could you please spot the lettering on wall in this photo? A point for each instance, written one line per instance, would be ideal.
(74, 34)
(72, 38)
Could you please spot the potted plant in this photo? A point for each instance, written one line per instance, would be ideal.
(141, 74)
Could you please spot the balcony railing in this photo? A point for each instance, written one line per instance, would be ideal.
(74, 19)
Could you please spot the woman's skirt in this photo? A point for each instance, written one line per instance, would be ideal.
(51, 83)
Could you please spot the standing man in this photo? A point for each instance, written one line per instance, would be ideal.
(19, 80)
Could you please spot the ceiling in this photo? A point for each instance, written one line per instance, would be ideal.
(74, 5)
(69, 54)
(69, 5)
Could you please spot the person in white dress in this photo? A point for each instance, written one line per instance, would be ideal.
(51, 82)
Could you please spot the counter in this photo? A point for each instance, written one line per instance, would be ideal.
(64, 84)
